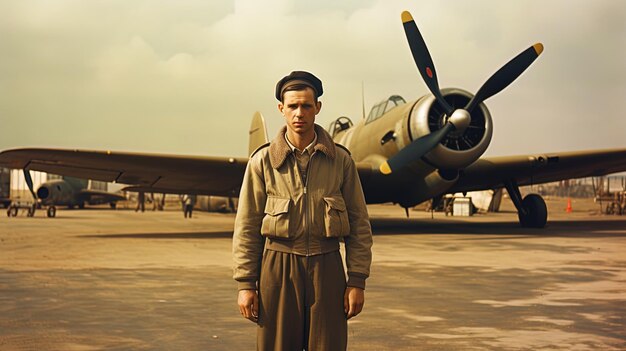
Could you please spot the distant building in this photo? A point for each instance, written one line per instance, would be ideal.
(5, 187)
(98, 185)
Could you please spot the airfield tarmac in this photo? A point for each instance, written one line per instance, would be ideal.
(100, 279)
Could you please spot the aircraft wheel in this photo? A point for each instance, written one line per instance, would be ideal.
(536, 212)
(52, 211)
(31, 212)
(113, 205)
(12, 211)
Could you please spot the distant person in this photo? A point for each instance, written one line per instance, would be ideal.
(188, 202)
(162, 202)
(301, 195)
(141, 202)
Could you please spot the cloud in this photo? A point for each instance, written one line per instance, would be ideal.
(185, 76)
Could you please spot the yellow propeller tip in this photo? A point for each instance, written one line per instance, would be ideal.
(385, 169)
(406, 17)
(538, 48)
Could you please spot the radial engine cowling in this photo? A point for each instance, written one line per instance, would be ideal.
(461, 147)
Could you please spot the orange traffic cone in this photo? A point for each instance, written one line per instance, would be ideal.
(569, 206)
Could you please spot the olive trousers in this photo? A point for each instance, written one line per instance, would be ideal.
(301, 302)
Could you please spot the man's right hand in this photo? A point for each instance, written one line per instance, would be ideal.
(248, 301)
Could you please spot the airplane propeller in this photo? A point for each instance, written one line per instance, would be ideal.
(505, 75)
(459, 118)
(29, 182)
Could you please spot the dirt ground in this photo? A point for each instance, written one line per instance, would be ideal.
(101, 279)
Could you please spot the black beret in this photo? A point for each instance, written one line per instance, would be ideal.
(299, 77)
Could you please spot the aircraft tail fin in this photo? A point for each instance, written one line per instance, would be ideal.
(258, 133)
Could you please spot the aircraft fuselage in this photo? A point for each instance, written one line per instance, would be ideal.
(392, 125)
(60, 192)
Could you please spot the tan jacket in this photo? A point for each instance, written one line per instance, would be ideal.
(308, 220)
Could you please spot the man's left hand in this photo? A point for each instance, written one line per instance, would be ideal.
(353, 301)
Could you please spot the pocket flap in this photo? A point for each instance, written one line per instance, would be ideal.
(277, 205)
(336, 203)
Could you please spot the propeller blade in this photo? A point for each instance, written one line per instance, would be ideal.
(415, 150)
(29, 182)
(505, 75)
(422, 59)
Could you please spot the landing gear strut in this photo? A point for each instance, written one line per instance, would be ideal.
(532, 210)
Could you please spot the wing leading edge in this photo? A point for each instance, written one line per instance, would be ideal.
(169, 173)
(223, 176)
(492, 172)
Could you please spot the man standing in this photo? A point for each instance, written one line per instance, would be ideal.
(141, 202)
(300, 196)
(189, 201)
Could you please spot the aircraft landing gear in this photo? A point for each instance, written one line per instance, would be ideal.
(536, 212)
(532, 210)
(52, 211)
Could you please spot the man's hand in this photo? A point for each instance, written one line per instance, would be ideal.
(248, 302)
(353, 301)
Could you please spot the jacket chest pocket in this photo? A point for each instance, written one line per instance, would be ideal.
(336, 217)
(276, 221)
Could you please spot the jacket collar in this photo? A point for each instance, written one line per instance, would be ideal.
(279, 149)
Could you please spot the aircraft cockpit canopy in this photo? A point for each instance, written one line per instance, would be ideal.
(385, 106)
(340, 124)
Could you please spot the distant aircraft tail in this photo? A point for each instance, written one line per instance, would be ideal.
(258, 133)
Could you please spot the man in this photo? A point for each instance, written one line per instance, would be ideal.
(189, 202)
(141, 202)
(300, 196)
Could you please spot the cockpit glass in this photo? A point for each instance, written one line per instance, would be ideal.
(385, 106)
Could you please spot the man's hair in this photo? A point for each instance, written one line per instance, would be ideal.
(298, 87)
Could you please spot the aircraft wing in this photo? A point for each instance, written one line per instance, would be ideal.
(150, 172)
(99, 196)
(492, 172)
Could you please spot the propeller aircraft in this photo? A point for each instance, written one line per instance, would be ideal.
(68, 191)
(406, 152)
(73, 192)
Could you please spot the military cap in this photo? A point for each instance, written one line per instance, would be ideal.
(299, 77)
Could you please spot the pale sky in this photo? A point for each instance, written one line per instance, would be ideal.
(185, 77)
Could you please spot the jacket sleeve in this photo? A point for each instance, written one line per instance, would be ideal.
(359, 242)
(248, 243)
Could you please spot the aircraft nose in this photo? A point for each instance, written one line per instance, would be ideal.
(43, 192)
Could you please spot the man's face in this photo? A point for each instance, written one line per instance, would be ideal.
(300, 108)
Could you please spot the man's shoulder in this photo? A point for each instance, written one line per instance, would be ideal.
(342, 149)
(259, 149)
